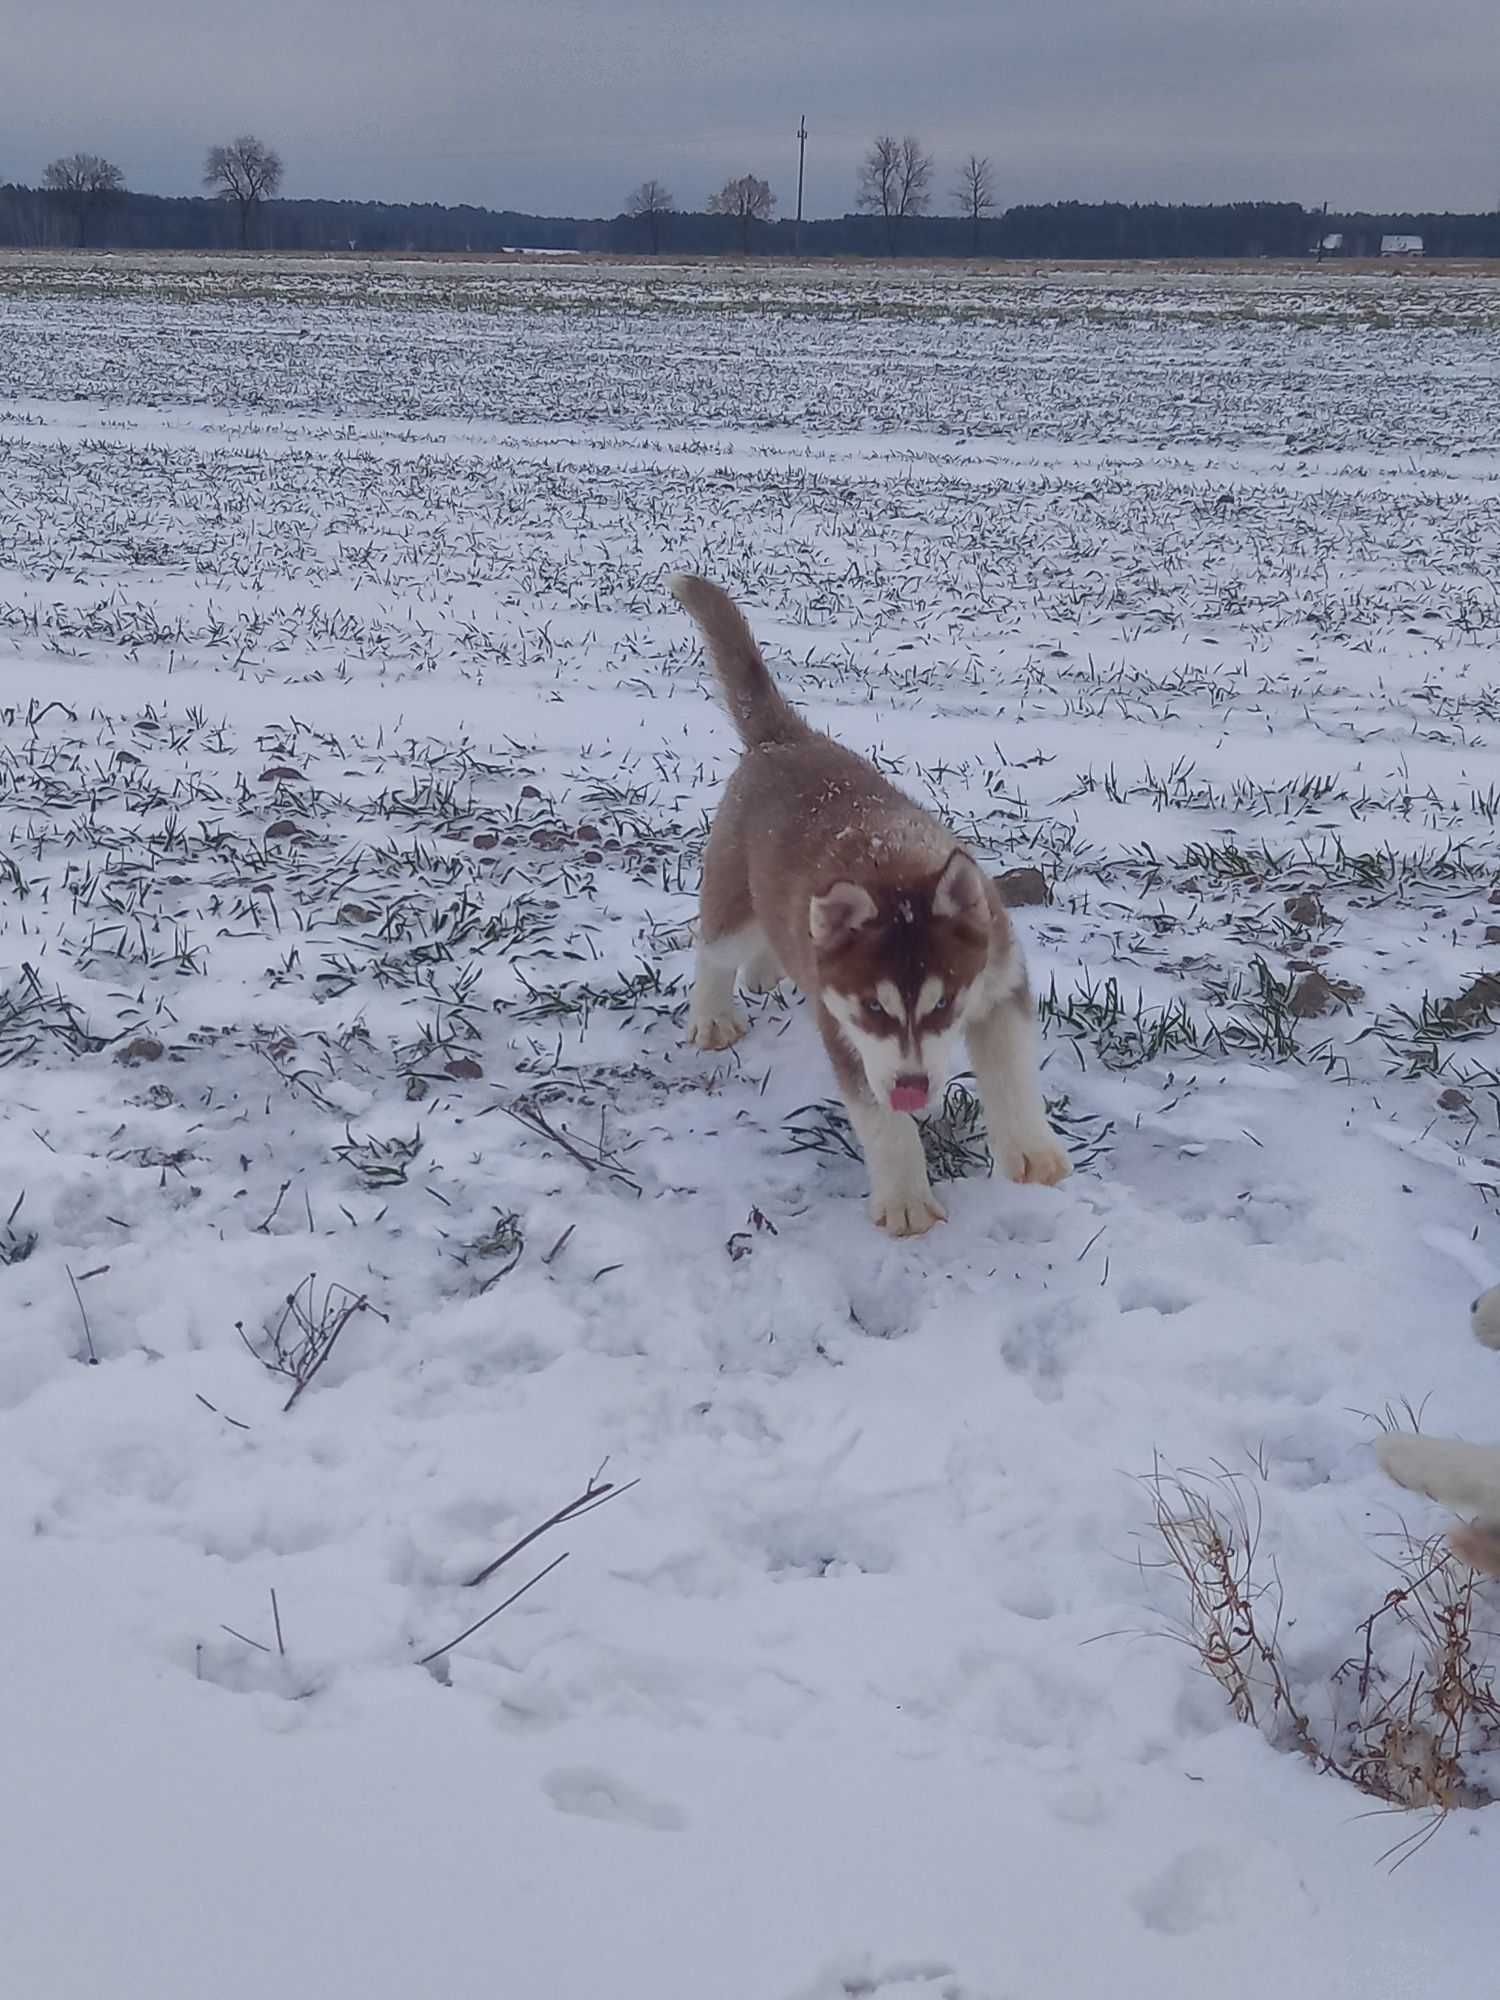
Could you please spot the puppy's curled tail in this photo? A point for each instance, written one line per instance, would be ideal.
(760, 712)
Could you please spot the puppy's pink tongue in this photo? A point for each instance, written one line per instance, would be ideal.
(908, 1097)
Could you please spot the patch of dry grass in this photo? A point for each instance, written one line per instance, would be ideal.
(1405, 1718)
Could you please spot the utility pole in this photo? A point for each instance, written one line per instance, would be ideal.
(801, 163)
(1322, 232)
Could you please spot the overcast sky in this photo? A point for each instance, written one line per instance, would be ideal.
(561, 106)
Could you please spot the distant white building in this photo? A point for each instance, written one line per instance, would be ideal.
(1332, 245)
(1400, 246)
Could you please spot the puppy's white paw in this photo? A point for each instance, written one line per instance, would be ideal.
(1041, 1161)
(717, 1031)
(906, 1211)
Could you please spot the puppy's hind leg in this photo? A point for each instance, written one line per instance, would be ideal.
(715, 1018)
(763, 971)
(1007, 1068)
(727, 935)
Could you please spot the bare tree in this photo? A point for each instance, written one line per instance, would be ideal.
(975, 194)
(83, 182)
(748, 200)
(894, 183)
(649, 204)
(246, 173)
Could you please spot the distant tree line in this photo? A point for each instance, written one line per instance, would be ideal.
(79, 186)
(82, 201)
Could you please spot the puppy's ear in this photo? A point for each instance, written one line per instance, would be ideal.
(838, 913)
(960, 892)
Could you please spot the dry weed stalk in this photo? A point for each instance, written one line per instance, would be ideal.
(1409, 1739)
(1233, 1619)
(1410, 1736)
(304, 1336)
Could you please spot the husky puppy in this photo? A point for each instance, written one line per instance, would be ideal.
(1465, 1477)
(817, 868)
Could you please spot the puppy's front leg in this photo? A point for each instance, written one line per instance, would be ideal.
(901, 1199)
(1007, 1068)
(902, 1202)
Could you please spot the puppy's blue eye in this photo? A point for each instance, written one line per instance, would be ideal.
(874, 1007)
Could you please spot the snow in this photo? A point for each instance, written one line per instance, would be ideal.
(866, 1685)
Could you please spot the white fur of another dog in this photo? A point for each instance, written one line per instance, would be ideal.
(1463, 1477)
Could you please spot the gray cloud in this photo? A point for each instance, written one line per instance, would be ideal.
(562, 108)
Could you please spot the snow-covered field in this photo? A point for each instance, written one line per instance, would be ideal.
(354, 766)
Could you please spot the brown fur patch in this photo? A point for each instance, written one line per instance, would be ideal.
(1478, 1544)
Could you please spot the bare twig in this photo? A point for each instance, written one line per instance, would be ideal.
(263, 1228)
(87, 1331)
(599, 1161)
(595, 1494)
(469, 1630)
(214, 1408)
(244, 1639)
(560, 1244)
(307, 1332)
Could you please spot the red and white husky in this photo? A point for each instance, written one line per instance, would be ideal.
(817, 868)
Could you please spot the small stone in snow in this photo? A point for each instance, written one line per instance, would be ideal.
(1313, 995)
(145, 1048)
(1022, 888)
(1477, 1000)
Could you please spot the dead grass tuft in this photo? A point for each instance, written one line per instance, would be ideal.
(1405, 1719)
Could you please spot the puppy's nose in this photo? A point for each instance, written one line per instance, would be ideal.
(909, 1093)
